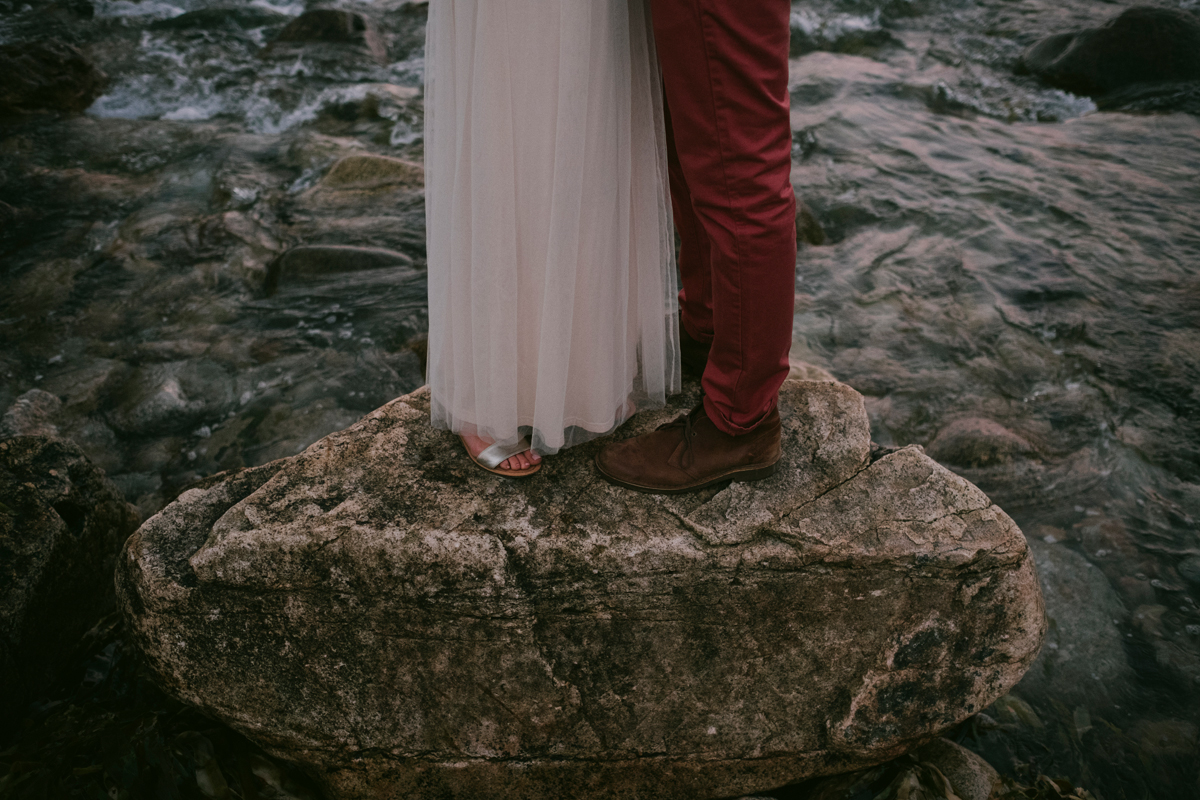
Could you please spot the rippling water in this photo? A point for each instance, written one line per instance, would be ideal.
(1000, 255)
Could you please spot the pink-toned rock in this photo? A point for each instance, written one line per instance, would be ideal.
(977, 442)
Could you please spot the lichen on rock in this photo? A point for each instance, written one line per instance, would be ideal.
(404, 624)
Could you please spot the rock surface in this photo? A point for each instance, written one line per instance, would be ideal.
(370, 171)
(61, 527)
(379, 609)
(49, 75)
(972, 777)
(938, 769)
(316, 260)
(1141, 45)
(32, 414)
(976, 442)
(1084, 661)
(335, 26)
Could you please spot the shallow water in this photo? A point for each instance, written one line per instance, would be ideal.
(998, 252)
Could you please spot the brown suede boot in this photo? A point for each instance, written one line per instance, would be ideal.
(690, 453)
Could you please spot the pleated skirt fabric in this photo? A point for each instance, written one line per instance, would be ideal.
(552, 288)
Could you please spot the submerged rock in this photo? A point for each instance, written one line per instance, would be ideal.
(384, 612)
(334, 26)
(808, 227)
(32, 414)
(48, 75)
(369, 171)
(170, 397)
(318, 260)
(1141, 45)
(977, 442)
(61, 527)
(1084, 661)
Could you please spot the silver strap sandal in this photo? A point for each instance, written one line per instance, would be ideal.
(492, 456)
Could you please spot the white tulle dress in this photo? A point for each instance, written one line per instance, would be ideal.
(552, 308)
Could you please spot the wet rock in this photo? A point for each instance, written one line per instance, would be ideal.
(976, 442)
(48, 75)
(61, 526)
(314, 260)
(359, 224)
(369, 171)
(808, 228)
(971, 776)
(1084, 661)
(803, 371)
(939, 769)
(1135, 591)
(1166, 738)
(422, 628)
(240, 18)
(42, 413)
(335, 26)
(1189, 570)
(851, 34)
(286, 431)
(171, 397)
(1108, 544)
(1033, 485)
(1012, 710)
(1169, 657)
(81, 383)
(1141, 45)
(32, 414)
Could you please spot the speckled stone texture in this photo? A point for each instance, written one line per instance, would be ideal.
(406, 625)
(61, 528)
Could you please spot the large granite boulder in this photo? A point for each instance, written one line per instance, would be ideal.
(406, 625)
(1140, 45)
(61, 528)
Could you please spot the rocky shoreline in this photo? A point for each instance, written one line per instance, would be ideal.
(222, 262)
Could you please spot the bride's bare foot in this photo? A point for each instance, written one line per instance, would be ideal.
(520, 461)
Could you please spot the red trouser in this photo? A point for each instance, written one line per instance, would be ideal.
(725, 71)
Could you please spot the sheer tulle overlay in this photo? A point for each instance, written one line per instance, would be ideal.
(552, 308)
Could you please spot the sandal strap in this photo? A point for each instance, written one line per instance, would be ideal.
(494, 455)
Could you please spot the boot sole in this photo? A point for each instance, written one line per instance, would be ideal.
(753, 473)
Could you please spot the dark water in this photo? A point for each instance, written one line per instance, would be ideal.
(998, 252)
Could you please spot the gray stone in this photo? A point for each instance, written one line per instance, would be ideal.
(1189, 569)
(1083, 662)
(1141, 45)
(404, 624)
(976, 442)
(321, 260)
(47, 75)
(972, 777)
(369, 171)
(808, 227)
(172, 397)
(334, 26)
(61, 527)
(32, 414)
